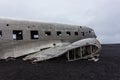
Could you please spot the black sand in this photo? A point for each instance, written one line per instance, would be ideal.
(107, 68)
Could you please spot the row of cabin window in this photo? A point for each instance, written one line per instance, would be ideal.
(59, 33)
(18, 34)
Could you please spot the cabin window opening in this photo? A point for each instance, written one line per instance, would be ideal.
(68, 33)
(0, 33)
(28, 26)
(47, 33)
(59, 33)
(17, 35)
(76, 33)
(80, 26)
(7, 24)
(34, 34)
(83, 34)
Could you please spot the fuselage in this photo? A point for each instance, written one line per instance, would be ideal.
(16, 30)
(23, 37)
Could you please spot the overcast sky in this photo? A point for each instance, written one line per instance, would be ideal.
(101, 15)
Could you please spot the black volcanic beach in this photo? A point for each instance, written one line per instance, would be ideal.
(107, 68)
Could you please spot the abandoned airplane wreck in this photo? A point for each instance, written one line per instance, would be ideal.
(42, 41)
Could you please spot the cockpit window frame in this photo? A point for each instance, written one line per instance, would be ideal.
(83, 33)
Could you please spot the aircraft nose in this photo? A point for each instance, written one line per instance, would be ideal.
(93, 33)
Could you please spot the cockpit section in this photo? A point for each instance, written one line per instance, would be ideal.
(86, 32)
